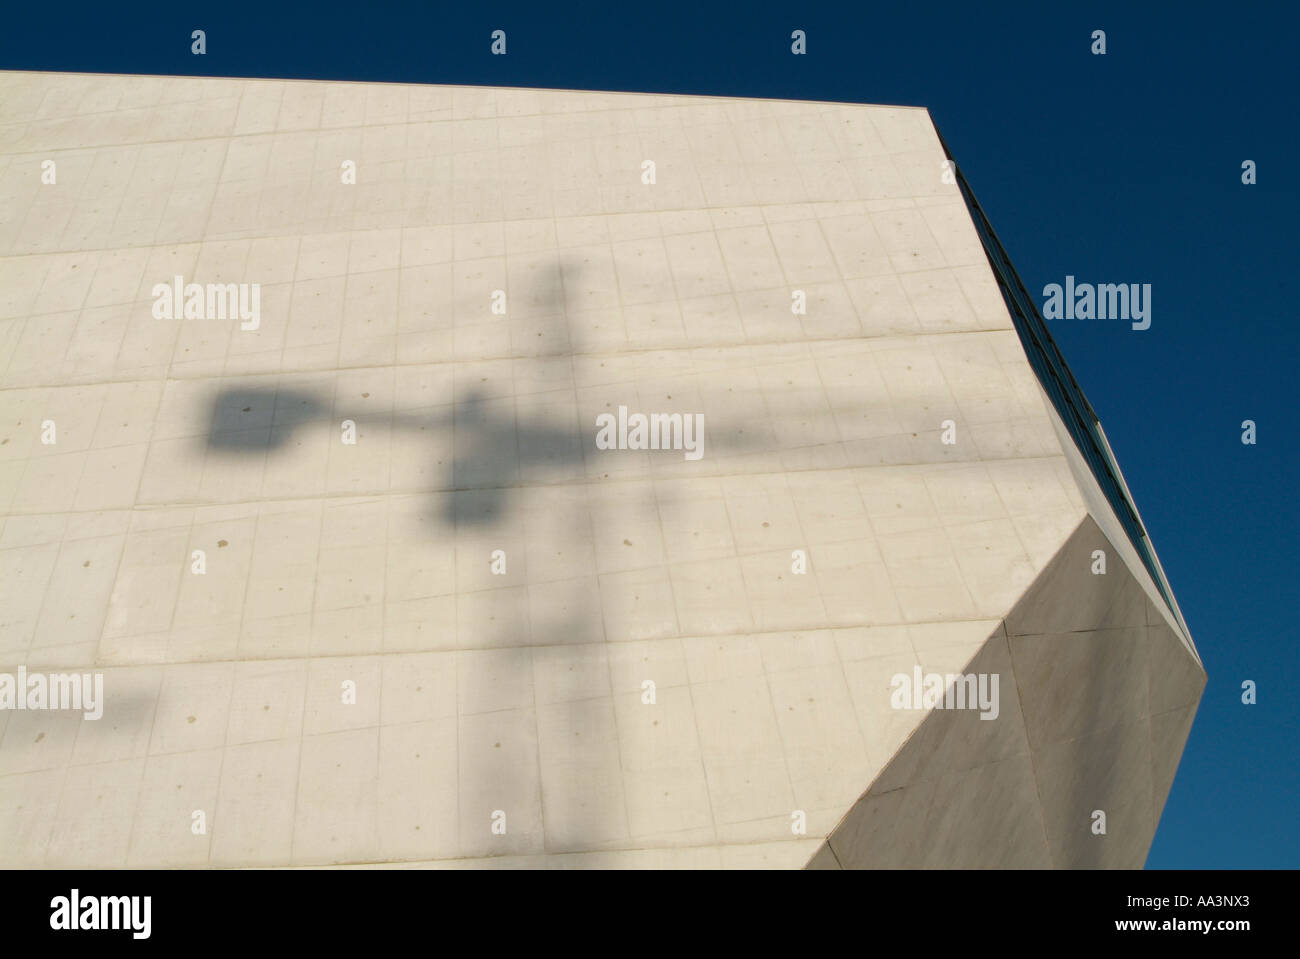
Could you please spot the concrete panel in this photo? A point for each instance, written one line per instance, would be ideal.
(476, 636)
(1084, 747)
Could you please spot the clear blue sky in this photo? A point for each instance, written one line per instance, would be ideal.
(1116, 168)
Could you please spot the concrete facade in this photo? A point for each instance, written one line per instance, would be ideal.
(473, 637)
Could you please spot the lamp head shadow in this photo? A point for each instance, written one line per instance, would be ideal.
(247, 420)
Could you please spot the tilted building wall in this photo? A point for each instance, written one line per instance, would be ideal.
(475, 617)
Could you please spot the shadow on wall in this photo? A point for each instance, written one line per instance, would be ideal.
(497, 442)
(498, 445)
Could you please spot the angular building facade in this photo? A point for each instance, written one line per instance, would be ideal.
(451, 476)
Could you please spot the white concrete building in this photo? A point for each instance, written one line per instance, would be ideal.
(363, 586)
